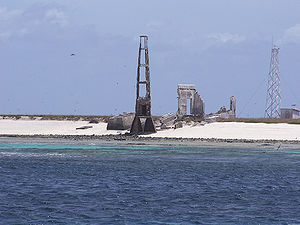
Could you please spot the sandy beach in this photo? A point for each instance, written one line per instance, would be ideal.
(52, 127)
(236, 130)
(218, 130)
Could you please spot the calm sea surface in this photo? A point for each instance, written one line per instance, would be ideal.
(94, 184)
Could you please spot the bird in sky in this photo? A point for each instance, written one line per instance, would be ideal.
(72, 54)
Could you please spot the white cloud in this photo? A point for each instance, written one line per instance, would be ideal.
(20, 22)
(8, 22)
(7, 15)
(56, 16)
(226, 37)
(291, 35)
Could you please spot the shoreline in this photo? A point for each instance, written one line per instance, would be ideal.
(149, 139)
(217, 132)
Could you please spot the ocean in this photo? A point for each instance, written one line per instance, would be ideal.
(112, 183)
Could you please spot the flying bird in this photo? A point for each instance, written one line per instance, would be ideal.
(72, 54)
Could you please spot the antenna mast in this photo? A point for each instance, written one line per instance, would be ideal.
(273, 91)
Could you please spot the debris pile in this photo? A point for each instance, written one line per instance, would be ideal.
(167, 121)
(120, 122)
(227, 114)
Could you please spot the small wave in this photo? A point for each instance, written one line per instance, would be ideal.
(88, 147)
(31, 154)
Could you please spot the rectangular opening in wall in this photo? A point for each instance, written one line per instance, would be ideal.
(188, 106)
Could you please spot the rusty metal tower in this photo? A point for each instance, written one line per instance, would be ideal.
(143, 122)
(273, 91)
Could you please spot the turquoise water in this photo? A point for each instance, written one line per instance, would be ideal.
(113, 184)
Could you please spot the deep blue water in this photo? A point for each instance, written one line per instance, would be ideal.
(73, 184)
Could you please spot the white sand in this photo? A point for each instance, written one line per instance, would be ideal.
(233, 130)
(228, 130)
(47, 127)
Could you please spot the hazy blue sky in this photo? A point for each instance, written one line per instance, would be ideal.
(223, 47)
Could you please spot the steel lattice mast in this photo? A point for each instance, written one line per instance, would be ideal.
(273, 91)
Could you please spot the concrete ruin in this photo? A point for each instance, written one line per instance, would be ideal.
(120, 122)
(228, 114)
(233, 105)
(167, 121)
(187, 92)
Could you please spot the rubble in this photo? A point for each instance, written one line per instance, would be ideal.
(168, 119)
(120, 122)
(163, 127)
(84, 127)
(179, 124)
(228, 114)
(94, 121)
(223, 112)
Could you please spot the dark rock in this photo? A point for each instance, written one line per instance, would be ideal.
(94, 121)
(84, 127)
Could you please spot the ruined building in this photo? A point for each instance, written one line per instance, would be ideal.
(189, 101)
(143, 122)
(228, 114)
(233, 105)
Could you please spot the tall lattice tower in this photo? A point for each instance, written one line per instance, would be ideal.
(143, 122)
(273, 91)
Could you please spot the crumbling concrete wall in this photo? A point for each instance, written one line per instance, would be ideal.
(233, 105)
(120, 122)
(197, 108)
(185, 92)
(228, 114)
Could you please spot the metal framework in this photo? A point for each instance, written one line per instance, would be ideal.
(273, 91)
(143, 103)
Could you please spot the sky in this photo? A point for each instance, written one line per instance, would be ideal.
(223, 47)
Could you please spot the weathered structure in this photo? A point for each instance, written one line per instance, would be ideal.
(188, 92)
(292, 113)
(143, 103)
(167, 121)
(233, 105)
(120, 122)
(228, 114)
